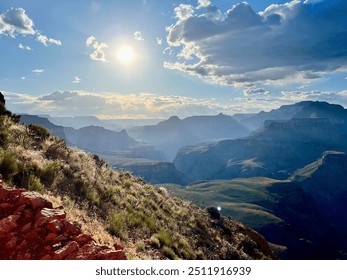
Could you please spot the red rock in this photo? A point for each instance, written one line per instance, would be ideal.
(68, 249)
(20, 209)
(71, 228)
(4, 193)
(47, 215)
(37, 231)
(86, 252)
(55, 238)
(32, 236)
(46, 257)
(35, 200)
(111, 255)
(83, 238)
(26, 227)
(22, 246)
(12, 243)
(118, 247)
(9, 223)
(55, 226)
(5, 205)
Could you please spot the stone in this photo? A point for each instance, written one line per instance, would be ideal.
(111, 255)
(55, 238)
(46, 257)
(35, 200)
(83, 238)
(5, 206)
(68, 249)
(55, 226)
(11, 244)
(47, 215)
(118, 247)
(9, 223)
(86, 252)
(4, 193)
(31, 229)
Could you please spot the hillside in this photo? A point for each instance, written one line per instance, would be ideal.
(116, 206)
(97, 139)
(304, 214)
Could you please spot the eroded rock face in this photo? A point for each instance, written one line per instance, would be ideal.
(31, 229)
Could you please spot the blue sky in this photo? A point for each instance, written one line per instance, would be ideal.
(154, 58)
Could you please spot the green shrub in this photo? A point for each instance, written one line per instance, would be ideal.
(117, 225)
(40, 132)
(140, 246)
(49, 173)
(164, 238)
(155, 242)
(127, 183)
(168, 252)
(93, 197)
(35, 185)
(8, 166)
(4, 138)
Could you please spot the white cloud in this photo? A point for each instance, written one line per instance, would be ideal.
(47, 41)
(138, 36)
(23, 78)
(159, 41)
(295, 42)
(98, 53)
(38, 70)
(204, 3)
(184, 12)
(16, 22)
(27, 48)
(90, 40)
(167, 50)
(253, 91)
(76, 80)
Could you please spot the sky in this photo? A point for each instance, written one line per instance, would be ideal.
(156, 59)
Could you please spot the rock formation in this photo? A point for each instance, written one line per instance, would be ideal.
(30, 228)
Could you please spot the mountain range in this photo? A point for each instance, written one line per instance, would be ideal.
(302, 216)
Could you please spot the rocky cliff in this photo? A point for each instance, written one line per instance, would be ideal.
(31, 229)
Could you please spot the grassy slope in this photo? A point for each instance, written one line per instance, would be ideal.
(115, 205)
(243, 199)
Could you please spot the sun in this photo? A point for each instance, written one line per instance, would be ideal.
(126, 55)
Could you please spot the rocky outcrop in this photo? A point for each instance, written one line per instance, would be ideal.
(31, 229)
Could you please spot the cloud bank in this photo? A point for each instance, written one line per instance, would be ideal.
(148, 105)
(295, 42)
(16, 22)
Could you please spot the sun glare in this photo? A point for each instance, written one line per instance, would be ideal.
(126, 55)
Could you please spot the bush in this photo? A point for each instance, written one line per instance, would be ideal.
(35, 184)
(93, 197)
(164, 238)
(8, 166)
(127, 183)
(117, 225)
(40, 132)
(168, 252)
(3, 138)
(49, 173)
(155, 242)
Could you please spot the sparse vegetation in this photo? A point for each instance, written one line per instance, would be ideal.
(125, 205)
